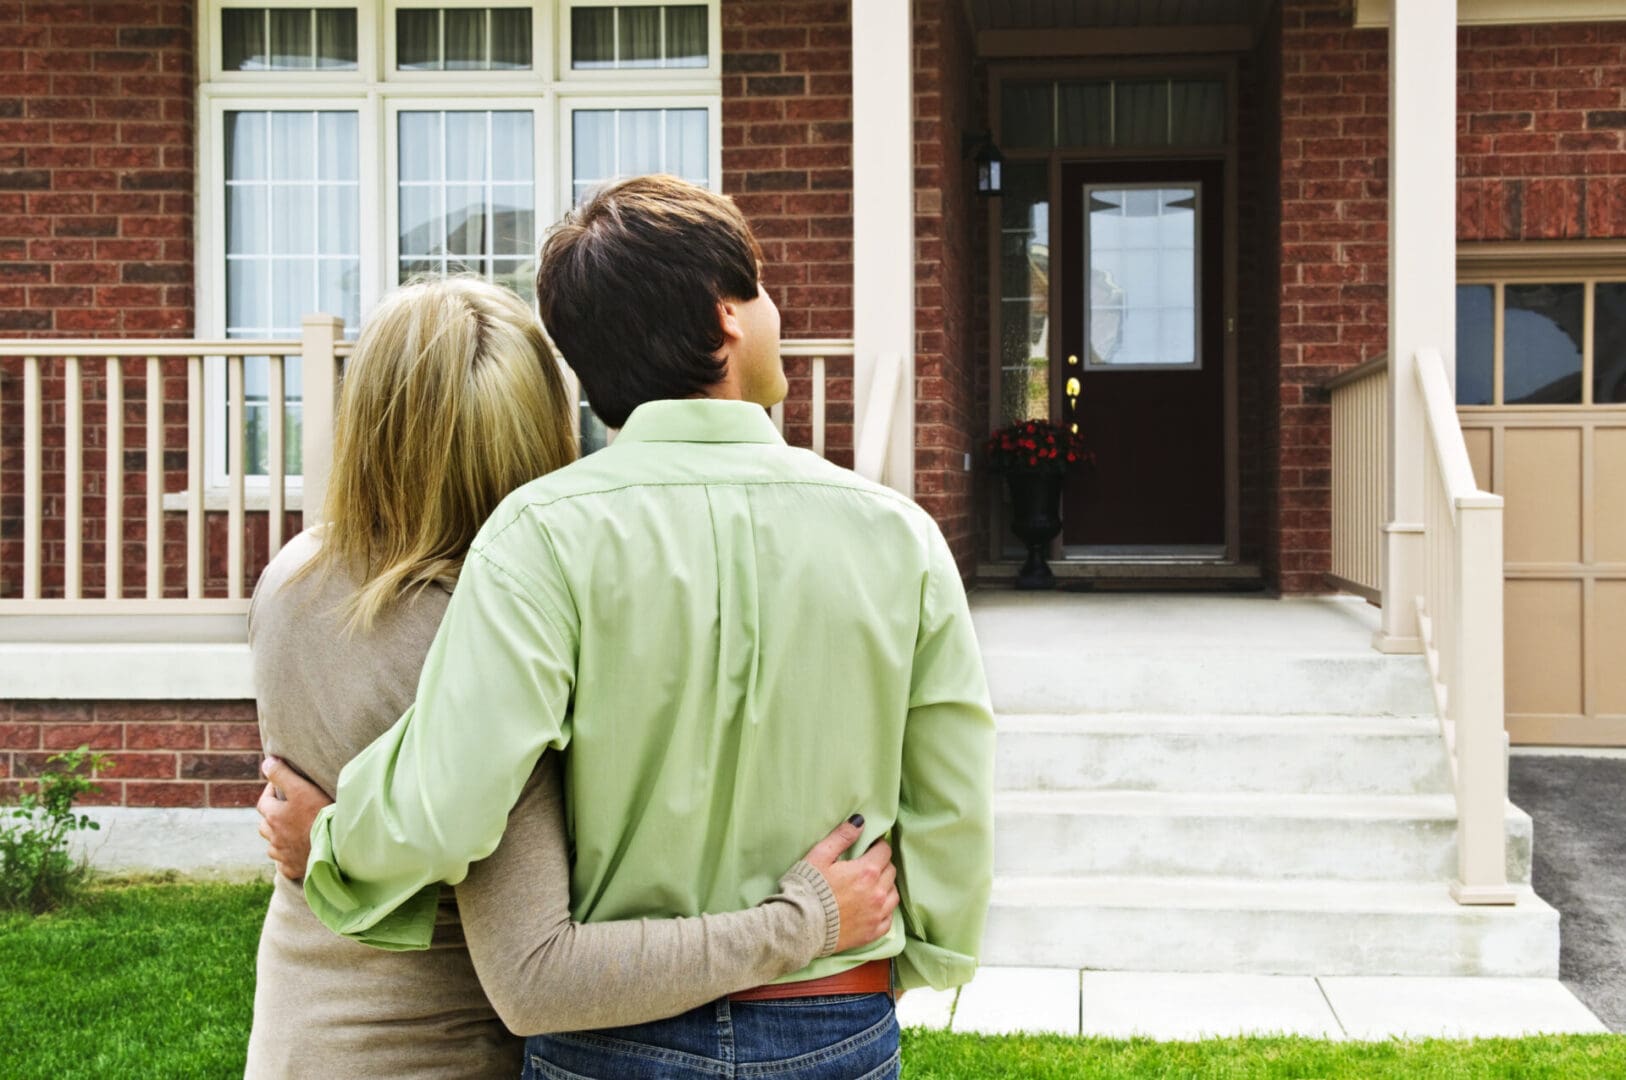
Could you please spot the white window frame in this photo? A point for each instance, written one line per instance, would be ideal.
(644, 77)
(551, 90)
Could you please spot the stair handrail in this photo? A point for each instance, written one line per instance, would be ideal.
(1460, 621)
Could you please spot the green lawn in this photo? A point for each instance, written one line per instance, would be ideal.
(158, 981)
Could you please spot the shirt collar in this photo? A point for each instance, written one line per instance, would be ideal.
(700, 420)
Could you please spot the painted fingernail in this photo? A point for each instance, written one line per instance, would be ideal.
(856, 821)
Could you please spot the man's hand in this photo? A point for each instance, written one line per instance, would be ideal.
(288, 807)
(866, 887)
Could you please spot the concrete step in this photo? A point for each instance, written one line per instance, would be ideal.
(1274, 837)
(1334, 755)
(1212, 680)
(1264, 927)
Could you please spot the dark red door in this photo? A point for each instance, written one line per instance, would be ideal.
(1142, 367)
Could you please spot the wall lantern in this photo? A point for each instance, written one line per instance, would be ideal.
(980, 148)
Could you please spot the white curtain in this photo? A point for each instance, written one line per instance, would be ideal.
(1198, 113)
(592, 37)
(465, 42)
(1086, 114)
(511, 38)
(417, 39)
(336, 38)
(1143, 113)
(686, 36)
(640, 37)
(291, 43)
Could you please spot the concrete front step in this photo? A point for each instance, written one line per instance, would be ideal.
(1277, 837)
(1206, 681)
(1264, 927)
(1332, 755)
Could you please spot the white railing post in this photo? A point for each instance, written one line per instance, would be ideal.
(319, 370)
(884, 226)
(1422, 279)
(1477, 707)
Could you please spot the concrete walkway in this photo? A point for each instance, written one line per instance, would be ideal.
(1119, 1005)
(1578, 804)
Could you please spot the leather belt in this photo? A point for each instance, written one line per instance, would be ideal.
(874, 977)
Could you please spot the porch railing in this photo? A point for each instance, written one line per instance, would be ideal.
(1459, 619)
(819, 352)
(58, 440)
(1360, 464)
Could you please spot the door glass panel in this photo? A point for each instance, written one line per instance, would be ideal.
(1609, 344)
(1476, 344)
(1141, 276)
(1024, 303)
(1541, 350)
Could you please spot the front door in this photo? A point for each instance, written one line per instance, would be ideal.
(1141, 370)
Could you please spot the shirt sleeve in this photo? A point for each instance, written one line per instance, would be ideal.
(432, 794)
(544, 973)
(944, 837)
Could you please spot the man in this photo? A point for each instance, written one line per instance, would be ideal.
(732, 640)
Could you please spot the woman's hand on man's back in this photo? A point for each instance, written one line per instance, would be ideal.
(866, 888)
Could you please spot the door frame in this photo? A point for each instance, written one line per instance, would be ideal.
(1222, 68)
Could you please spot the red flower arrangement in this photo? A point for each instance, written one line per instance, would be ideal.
(1036, 446)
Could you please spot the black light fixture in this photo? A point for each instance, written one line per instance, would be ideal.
(979, 146)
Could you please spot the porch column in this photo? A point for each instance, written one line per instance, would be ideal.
(1422, 280)
(884, 242)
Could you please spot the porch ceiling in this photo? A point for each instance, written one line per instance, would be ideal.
(1113, 14)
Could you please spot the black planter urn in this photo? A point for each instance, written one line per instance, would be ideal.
(1035, 519)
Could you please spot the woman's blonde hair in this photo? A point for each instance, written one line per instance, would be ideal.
(451, 400)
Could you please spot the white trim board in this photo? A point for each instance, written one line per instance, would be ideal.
(121, 672)
(1375, 13)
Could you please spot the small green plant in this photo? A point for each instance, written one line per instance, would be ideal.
(37, 872)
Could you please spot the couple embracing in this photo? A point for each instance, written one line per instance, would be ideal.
(610, 703)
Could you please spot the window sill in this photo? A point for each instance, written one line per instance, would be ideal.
(219, 498)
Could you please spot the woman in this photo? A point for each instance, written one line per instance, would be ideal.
(450, 401)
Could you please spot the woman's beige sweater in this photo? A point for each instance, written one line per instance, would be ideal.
(327, 1006)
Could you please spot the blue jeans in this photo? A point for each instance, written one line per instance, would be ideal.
(845, 1037)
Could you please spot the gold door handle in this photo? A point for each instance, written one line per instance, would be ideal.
(1073, 389)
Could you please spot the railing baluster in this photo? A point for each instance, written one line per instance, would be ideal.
(113, 483)
(818, 405)
(275, 428)
(73, 477)
(195, 555)
(33, 493)
(234, 466)
(155, 478)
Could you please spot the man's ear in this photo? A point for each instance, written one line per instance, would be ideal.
(728, 320)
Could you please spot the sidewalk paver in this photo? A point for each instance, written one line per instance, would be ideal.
(1383, 1007)
(1120, 1005)
(1002, 1001)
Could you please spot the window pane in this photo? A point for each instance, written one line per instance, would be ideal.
(417, 39)
(593, 146)
(639, 144)
(512, 156)
(1086, 114)
(466, 215)
(686, 139)
(242, 39)
(1142, 114)
(592, 38)
(511, 38)
(292, 244)
(336, 39)
(686, 37)
(1476, 344)
(1025, 115)
(1024, 308)
(291, 43)
(1541, 349)
(1142, 274)
(465, 44)
(1609, 344)
(640, 37)
(1198, 110)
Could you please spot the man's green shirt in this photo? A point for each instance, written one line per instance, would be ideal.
(738, 645)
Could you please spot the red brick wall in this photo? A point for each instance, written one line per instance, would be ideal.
(787, 161)
(948, 368)
(1540, 157)
(96, 174)
(164, 753)
(96, 189)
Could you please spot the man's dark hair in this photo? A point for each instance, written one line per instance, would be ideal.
(628, 287)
